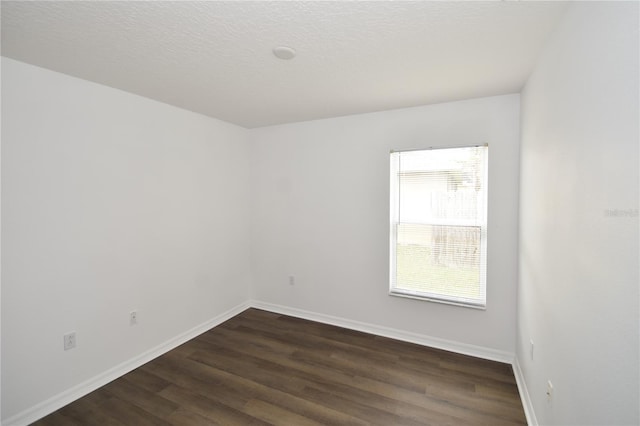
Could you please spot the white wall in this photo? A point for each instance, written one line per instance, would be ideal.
(0, 232)
(110, 202)
(321, 213)
(578, 291)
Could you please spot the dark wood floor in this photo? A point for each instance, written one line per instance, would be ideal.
(265, 368)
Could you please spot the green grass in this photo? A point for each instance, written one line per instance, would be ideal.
(416, 272)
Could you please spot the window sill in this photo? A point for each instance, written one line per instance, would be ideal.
(396, 293)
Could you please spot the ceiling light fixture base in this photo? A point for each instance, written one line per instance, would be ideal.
(284, 52)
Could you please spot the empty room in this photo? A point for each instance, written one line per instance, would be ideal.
(319, 212)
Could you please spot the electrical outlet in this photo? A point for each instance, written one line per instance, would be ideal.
(292, 280)
(531, 341)
(69, 340)
(549, 390)
(133, 317)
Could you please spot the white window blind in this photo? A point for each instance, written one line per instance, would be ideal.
(439, 225)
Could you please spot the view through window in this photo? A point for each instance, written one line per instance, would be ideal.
(439, 224)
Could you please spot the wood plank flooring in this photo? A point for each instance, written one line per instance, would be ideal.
(261, 368)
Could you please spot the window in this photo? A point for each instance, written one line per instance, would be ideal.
(439, 225)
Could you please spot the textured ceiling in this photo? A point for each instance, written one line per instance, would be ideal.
(216, 58)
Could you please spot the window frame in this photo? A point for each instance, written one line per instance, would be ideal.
(394, 207)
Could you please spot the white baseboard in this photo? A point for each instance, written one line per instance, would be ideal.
(524, 394)
(420, 339)
(58, 401)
